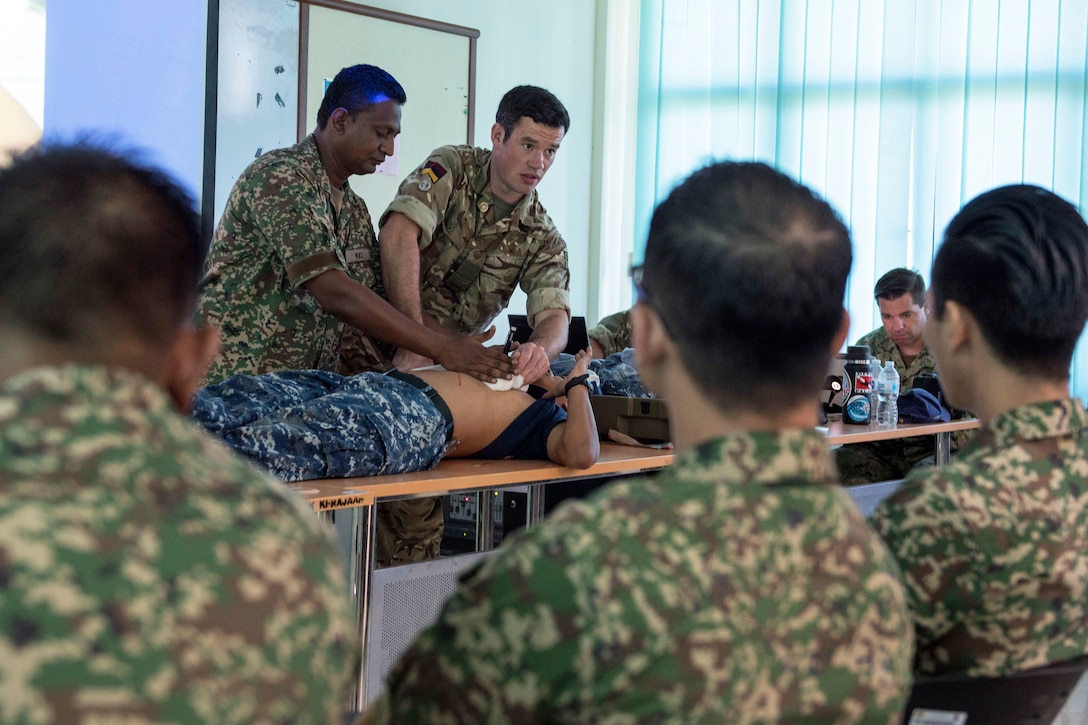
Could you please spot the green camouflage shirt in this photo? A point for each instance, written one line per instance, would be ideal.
(279, 230)
(883, 348)
(739, 585)
(149, 575)
(470, 262)
(901, 454)
(994, 546)
(613, 333)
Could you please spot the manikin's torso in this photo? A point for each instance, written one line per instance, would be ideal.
(479, 413)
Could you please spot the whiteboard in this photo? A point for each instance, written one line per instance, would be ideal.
(432, 66)
(256, 86)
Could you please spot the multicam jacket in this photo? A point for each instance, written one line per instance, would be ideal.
(151, 576)
(279, 230)
(994, 546)
(883, 348)
(613, 333)
(739, 585)
(471, 262)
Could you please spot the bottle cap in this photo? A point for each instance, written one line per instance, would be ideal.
(855, 352)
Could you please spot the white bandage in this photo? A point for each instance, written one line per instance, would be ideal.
(515, 383)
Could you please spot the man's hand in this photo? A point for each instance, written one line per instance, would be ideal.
(530, 360)
(468, 355)
(557, 386)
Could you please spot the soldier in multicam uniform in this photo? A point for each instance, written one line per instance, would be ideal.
(294, 260)
(611, 335)
(149, 575)
(465, 229)
(992, 546)
(739, 585)
(900, 295)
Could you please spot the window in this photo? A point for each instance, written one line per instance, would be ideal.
(896, 111)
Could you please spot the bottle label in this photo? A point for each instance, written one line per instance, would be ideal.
(858, 408)
(863, 383)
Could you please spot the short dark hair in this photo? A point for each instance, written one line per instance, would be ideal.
(536, 103)
(357, 87)
(1017, 258)
(94, 244)
(747, 270)
(897, 282)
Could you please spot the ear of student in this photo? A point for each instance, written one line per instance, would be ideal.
(958, 326)
(648, 335)
(840, 335)
(188, 359)
(498, 134)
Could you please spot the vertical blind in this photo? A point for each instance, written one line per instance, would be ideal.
(896, 111)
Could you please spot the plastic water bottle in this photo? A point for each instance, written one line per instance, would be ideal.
(887, 396)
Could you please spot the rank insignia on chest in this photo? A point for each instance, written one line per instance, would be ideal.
(431, 172)
(361, 254)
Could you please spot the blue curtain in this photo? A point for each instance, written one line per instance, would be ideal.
(897, 112)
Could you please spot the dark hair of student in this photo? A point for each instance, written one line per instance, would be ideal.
(747, 270)
(897, 282)
(357, 87)
(532, 102)
(1017, 258)
(93, 244)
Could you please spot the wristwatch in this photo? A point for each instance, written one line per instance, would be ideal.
(577, 380)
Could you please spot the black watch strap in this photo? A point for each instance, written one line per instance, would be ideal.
(576, 381)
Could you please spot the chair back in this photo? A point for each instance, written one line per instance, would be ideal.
(1032, 696)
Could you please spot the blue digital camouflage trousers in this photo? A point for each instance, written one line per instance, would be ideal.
(312, 424)
(617, 373)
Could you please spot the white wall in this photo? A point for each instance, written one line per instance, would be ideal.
(133, 69)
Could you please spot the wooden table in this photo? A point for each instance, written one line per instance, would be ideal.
(845, 433)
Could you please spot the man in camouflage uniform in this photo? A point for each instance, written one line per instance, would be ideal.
(992, 546)
(465, 229)
(149, 575)
(611, 335)
(294, 261)
(739, 585)
(900, 295)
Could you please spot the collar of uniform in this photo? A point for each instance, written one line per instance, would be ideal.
(91, 385)
(521, 211)
(760, 457)
(1039, 420)
(309, 146)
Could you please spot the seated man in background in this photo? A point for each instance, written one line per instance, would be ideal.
(994, 546)
(149, 575)
(740, 580)
(313, 424)
(900, 295)
(611, 335)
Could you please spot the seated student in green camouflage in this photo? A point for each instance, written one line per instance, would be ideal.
(994, 546)
(900, 296)
(739, 584)
(149, 575)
